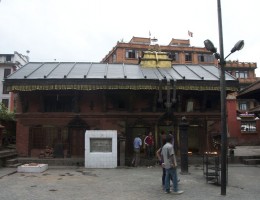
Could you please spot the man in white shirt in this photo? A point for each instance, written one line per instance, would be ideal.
(170, 165)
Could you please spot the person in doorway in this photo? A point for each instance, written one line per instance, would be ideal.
(137, 148)
(170, 165)
(149, 143)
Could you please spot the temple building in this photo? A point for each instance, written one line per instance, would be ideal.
(57, 102)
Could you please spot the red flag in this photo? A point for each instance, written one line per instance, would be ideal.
(190, 34)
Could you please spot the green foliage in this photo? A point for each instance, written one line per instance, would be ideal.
(5, 115)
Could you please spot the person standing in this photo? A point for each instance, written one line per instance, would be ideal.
(170, 165)
(159, 156)
(137, 148)
(149, 143)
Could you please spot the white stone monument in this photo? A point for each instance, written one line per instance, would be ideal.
(101, 149)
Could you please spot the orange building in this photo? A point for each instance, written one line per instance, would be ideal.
(181, 52)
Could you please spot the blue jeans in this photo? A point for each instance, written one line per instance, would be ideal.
(172, 172)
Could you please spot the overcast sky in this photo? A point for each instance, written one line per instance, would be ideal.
(86, 30)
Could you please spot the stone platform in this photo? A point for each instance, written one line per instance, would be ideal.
(32, 168)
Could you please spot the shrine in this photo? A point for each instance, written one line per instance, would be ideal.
(57, 102)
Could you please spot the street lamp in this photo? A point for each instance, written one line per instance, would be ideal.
(222, 61)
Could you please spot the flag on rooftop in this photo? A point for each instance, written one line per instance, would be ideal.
(190, 34)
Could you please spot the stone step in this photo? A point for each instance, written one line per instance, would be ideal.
(252, 161)
(11, 161)
(8, 153)
(14, 165)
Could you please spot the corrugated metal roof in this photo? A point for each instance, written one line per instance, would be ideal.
(81, 70)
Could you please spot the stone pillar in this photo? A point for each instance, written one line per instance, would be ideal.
(122, 151)
(183, 127)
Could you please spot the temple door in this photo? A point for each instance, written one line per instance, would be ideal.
(77, 139)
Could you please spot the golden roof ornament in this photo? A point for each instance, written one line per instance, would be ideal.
(154, 57)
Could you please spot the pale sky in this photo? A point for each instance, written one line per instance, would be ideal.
(86, 30)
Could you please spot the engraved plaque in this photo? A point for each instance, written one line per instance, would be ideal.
(100, 144)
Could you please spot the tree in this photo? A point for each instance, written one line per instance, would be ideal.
(7, 120)
(5, 115)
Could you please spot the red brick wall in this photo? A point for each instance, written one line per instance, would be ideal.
(22, 135)
(234, 125)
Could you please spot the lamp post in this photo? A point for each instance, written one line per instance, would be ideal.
(222, 62)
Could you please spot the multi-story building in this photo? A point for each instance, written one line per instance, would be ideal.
(181, 52)
(245, 73)
(8, 64)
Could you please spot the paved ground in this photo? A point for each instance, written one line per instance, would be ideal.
(72, 183)
(124, 183)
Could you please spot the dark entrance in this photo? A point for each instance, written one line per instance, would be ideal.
(77, 128)
(167, 124)
(139, 127)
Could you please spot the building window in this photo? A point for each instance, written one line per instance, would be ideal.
(42, 137)
(201, 58)
(5, 89)
(243, 106)
(248, 126)
(190, 105)
(205, 58)
(58, 103)
(7, 72)
(241, 74)
(130, 53)
(8, 58)
(5, 102)
(188, 57)
(174, 56)
(114, 58)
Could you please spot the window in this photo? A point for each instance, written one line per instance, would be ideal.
(7, 72)
(205, 58)
(131, 53)
(117, 101)
(8, 58)
(114, 58)
(190, 105)
(248, 126)
(48, 136)
(241, 74)
(5, 89)
(188, 57)
(201, 57)
(174, 56)
(5, 102)
(58, 103)
(243, 106)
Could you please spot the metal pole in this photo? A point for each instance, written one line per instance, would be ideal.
(223, 106)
